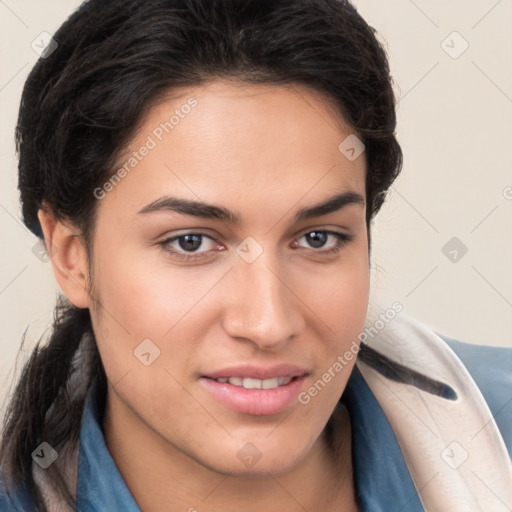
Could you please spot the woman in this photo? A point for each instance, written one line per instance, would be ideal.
(204, 174)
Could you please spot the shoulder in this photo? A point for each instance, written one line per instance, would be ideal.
(491, 369)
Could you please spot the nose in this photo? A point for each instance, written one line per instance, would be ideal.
(262, 305)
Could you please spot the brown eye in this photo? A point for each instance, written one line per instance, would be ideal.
(189, 245)
(190, 242)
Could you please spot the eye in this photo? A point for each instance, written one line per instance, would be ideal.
(190, 246)
(187, 246)
(319, 239)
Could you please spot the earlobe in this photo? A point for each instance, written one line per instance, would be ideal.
(68, 256)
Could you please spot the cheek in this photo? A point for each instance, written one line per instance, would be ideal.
(142, 300)
(146, 296)
(348, 303)
(338, 295)
(341, 302)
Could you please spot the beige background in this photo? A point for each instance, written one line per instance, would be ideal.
(455, 128)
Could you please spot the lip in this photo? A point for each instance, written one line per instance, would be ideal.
(258, 372)
(258, 402)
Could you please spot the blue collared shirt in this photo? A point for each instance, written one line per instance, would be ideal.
(382, 480)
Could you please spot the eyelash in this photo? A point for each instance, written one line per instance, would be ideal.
(342, 239)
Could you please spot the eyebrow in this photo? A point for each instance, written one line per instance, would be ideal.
(210, 211)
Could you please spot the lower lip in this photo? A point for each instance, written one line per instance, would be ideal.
(255, 401)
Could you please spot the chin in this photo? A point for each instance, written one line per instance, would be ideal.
(249, 461)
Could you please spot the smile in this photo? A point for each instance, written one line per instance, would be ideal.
(250, 383)
(257, 397)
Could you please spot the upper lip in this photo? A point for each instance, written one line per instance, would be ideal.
(258, 372)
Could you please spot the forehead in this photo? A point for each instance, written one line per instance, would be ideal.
(225, 141)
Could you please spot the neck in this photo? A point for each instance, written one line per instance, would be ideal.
(163, 478)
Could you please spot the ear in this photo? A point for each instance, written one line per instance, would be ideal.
(68, 256)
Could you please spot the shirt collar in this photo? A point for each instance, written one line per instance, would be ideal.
(382, 480)
(100, 485)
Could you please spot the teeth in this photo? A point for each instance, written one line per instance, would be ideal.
(269, 383)
(249, 383)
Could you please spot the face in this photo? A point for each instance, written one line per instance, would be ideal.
(225, 295)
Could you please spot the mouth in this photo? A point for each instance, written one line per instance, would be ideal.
(250, 383)
(254, 390)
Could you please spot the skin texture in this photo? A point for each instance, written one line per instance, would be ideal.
(263, 152)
